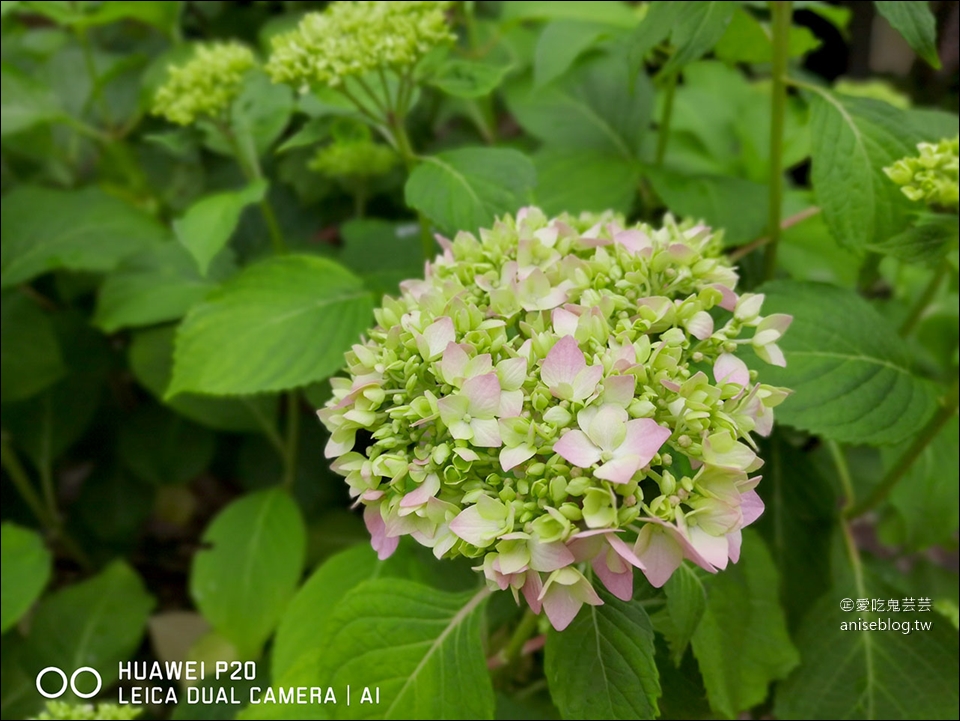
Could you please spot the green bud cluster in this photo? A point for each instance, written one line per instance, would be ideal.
(61, 711)
(931, 176)
(354, 160)
(206, 85)
(350, 39)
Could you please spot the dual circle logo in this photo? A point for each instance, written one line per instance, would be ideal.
(72, 682)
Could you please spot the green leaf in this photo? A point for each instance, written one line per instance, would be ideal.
(260, 114)
(737, 206)
(24, 101)
(925, 501)
(243, 581)
(29, 351)
(656, 25)
(114, 506)
(464, 189)
(420, 646)
(698, 28)
(852, 140)
(933, 123)
(47, 424)
(85, 229)
(312, 132)
(915, 22)
(247, 336)
(382, 253)
(742, 643)
(155, 285)
(848, 673)
(162, 448)
(25, 571)
(686, 603)
(848, 369)
(560, 44)
(797, 524)
(570, 180)
(600, 11)
(746, 40)
(601, 666)
(162, 15)
(208, 224)
(151, 360)
(925, 242)
(599, 106)
(98, 622)
(465, 79)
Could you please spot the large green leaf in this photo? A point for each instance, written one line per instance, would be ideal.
(464, 189)
(161, 447)
(24, 101)
(916, 23)
(925, 241)
(852, 140)
(29, 351)
(746, 40)
(244, 578)
(925, 501)
(797, 523)
(686, 603)
(601, 666)
(151, 361)
(382, 253)
(466, 79)
(853, 673)
(25, 571)
(599, 106)
(735, 205)
(208, 224)
(155, 285)
(600, 11)
(99, 622)
(560, 44)
(742, 643)
(656, 25)
(248, 335)
(85, 229)
(847, 367)
(571, 180)
(420, 646)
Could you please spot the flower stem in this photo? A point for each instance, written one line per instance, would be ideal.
(781, 11)
(663, 135)
(947, 408)
(14, 469)
(523, 631)
(916, 312)
(409, 158)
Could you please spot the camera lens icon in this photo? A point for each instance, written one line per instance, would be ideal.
(72, 682)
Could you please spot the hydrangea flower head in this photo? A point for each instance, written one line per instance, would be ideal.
(79, 712)
(206, 85)
(560, 395)
(932, 176)
(354, 38)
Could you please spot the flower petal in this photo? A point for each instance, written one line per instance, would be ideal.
(619, 470)
(619, 390)
(483, 392)
(619, 584)
(425, 491)
(660, 553)
(486, 433)
(576, 448)
(644, 438)
(453, 363)
(562, 364)
(701, 325)
(474, 528)
(751, 505)
(608, 427)
(549, 557)
(564, 322)
(437, 335)
(730, 369)
(383, 544)
(512, 457)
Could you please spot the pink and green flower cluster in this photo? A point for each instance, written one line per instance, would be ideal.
(562, 400)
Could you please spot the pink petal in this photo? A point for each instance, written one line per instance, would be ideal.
(511, 404)
(424, 492)
(619, 584)
(532, 588)
(729, 299)
(564, 322)
(486, 433)
(730, 369)
(549, 557)
(512, 457)
(619, 390)
(701, 325)
(634, 240)
(644, 438)
(452, 408)
(734, 540)
(713, 549)
(772, 354)
(576, 448)
(660, 553)
(438, 334)
(383, 544)
(624, 551)
(560, 606)
(619, 470)
(453, 362)
(472, 527)
(483, 392)
(562, 364)
(751, 506)
(586, 382)
(444, 242)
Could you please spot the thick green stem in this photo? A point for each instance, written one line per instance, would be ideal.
(843, 471)
(663, 134)
(521, 634)
(409, 158)
(947, 408)
(929, 293)
(293, 440)
(781, 12)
